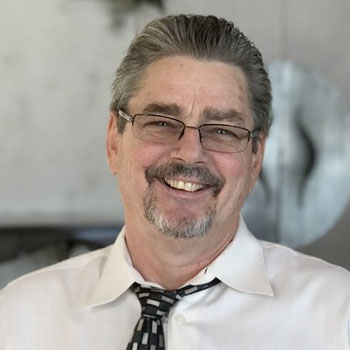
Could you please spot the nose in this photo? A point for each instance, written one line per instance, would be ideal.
(189, 147)
(194, 128)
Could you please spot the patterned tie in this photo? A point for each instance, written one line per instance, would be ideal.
(156, 303)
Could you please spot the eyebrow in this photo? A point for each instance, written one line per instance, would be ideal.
(210, 113)
(229, 115)
(173, 109)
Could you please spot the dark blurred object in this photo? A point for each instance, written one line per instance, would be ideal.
(128, 5)
(16, 241)
(119, 8)
(23, 250)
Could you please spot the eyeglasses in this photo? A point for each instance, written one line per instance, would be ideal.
(166, 130)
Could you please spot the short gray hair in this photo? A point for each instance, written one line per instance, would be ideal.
(200, 37)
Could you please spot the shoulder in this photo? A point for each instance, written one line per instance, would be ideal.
(67, 278)
(302, 271)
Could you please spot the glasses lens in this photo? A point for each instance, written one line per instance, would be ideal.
(224, 138)
(157, 129)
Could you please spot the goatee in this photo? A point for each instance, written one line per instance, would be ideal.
(178, 226)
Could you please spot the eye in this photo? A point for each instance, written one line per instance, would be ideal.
(160, 123)
(224, 132)
(221, 131)
(157, 124)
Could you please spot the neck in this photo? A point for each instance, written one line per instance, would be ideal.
(171, 262)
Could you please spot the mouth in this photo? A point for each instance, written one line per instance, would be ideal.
(186, 179)
(184, 185)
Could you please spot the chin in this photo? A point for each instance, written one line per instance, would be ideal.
(185, 227)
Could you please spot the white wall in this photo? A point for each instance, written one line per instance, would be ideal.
(57, 62)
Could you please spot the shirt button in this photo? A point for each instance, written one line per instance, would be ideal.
(180, 318)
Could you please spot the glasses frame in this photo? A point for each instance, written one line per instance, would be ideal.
(252, 134)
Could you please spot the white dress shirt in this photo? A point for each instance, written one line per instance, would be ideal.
(270, 298)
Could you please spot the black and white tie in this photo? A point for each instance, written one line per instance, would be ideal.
(156, 303)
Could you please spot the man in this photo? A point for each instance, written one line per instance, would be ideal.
(188, 123)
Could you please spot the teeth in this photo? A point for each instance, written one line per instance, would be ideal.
(181, 185)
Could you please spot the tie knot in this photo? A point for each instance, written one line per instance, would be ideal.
(155, 302)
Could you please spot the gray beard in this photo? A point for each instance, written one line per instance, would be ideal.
(183, 227)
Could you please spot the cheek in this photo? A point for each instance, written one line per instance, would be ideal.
(129, 171)
(132, 184)
(236, 171)
(135, 159)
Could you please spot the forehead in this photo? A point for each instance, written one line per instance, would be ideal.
(194, 86)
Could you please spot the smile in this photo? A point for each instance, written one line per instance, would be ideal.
(182, 185)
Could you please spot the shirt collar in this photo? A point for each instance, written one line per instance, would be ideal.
(117, 275)
(240, 266)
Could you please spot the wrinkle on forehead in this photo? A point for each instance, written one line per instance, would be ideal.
(193, 102)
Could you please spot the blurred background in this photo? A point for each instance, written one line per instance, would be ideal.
(57, 61)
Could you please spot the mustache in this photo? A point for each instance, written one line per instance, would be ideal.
(201, 174)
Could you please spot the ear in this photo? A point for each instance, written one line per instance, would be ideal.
(257, 159)
(112, 144)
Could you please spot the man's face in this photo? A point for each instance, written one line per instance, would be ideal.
(182, 189)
